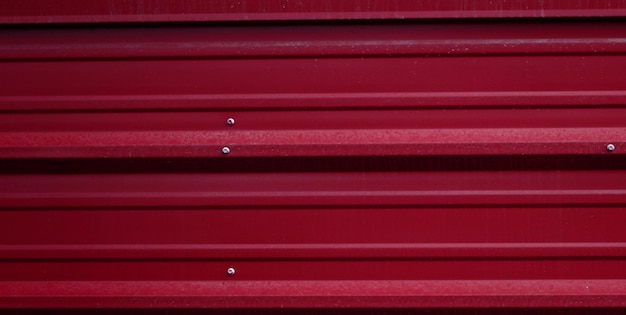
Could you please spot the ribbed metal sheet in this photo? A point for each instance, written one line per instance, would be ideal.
(79, 11)
(392, 165)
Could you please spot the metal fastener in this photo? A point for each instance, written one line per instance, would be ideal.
(610, 147)
(230, 121)
(230, 271)
(225, 150)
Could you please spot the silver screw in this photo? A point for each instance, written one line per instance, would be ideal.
(610, 147)
(230, 121)
(230, 271)
(225, 150)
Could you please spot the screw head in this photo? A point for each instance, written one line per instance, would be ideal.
(225, 150)
(610, 147)
(230, 121)
(230, 271)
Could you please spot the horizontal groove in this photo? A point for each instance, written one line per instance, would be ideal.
(313, 294)
(306, 41)
(46, 12)
(578, 198)
(365, 251)
(326, 101)
(271, 223)
(375, 188)
(377, 118)
(315, 164)
(297, 83)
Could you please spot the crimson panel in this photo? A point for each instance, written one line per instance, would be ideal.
(319, 165)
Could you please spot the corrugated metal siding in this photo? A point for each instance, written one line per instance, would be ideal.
(369, 164)
(79, 11)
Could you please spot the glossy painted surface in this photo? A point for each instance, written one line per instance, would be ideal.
(375, 165)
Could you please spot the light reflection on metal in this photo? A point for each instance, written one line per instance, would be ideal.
(390, 165)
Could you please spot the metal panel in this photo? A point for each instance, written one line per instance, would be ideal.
(373, 165)
(78, 11)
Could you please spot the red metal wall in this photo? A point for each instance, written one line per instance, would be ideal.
(99, 11)
(421, 163)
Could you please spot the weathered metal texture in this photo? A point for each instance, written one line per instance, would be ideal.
(79, 11)
(392, 165)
